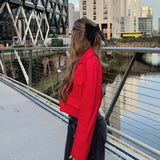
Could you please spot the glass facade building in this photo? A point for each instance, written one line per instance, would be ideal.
(32, 20)
(146, 21)
(145, 26)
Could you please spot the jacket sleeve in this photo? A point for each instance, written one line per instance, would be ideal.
(90, 103)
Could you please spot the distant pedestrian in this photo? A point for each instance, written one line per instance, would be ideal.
(81, 94)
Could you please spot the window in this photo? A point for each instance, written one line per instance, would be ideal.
(105, 9)
(57, 17)
(57, 8)
(39, 2)
(105, 6)
(94, 1)
(64, 10)
(49, 5)
(84, 7)
(105, 17)
(106, 12)
(50, 16)
(129, 12)
(94, 17)
(111, 26)
(84, 2)
(84, 13)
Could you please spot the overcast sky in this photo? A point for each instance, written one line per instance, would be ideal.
(155, 4)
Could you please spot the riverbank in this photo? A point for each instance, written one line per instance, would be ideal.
(132, 42)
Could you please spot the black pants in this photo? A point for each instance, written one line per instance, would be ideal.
(97, 150)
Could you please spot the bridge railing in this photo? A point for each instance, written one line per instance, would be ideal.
(131, 98)
(131, 103)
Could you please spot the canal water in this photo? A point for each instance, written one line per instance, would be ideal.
(137, 111)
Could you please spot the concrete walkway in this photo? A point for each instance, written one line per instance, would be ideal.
(28, 132)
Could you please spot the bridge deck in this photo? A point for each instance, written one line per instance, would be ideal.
(28, 132)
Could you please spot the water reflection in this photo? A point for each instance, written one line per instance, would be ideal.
(137, 111)
(152, 58)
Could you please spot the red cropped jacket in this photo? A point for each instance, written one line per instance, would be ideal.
(83, 101)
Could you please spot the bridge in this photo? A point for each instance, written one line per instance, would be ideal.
(32, 127)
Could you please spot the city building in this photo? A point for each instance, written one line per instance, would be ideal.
(100, 12)
(155, 33)
(158, 27)
(146, 21)
(125, 16)
(72, 16)
(117, 5)
(76, 15)
(32, 20)
(133, 12)
(113, 16)
(147, 12)
(145, 26)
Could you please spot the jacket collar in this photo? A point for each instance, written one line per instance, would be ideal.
(88, 53)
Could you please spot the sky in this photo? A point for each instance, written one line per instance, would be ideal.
(155, 4)
(75, 2)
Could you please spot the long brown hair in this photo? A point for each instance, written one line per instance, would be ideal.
(79, 44)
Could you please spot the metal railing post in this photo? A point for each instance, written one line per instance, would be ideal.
(3, 63)
(51, 78)
(120, 88)
(30, 68)
(59, 61)
(22, 67)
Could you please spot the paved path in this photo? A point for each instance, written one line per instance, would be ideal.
(28, 132)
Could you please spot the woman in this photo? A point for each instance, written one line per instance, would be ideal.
(81, 94)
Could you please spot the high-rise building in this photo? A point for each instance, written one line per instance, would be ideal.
(133, 12)
(113, 16)
(72, 15)
(146, 21)
(125, 16)
(147, 12)
(32, 20)
(76, 15)
(116, 18)
(100, 12)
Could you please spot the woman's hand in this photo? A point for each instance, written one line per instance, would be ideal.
(70, 157)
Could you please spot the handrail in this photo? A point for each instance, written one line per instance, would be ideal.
(132, 49)
(32, 89)
(35, 48)
(113, 49)
(28, 50)
(135, 141)
(127, 137)
(119, 89)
